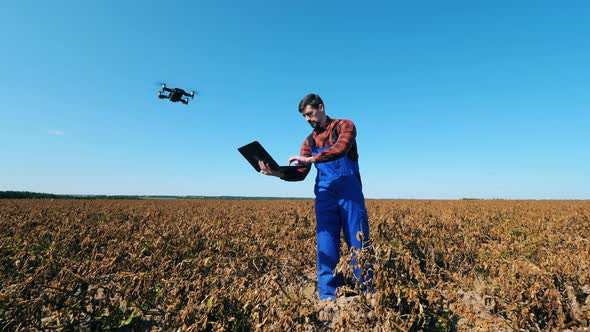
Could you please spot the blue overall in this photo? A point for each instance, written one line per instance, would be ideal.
(339, 204)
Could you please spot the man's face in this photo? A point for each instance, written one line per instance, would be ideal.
(315, 117)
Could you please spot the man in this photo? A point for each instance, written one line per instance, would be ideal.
(339, 203)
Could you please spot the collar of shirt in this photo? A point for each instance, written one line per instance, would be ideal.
(324, 127)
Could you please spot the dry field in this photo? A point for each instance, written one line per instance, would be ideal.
(250, 265)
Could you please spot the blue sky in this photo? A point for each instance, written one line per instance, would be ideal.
(451, 99)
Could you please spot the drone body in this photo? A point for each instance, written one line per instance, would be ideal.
(175, 94)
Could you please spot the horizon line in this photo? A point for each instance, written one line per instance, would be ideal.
(148, 196)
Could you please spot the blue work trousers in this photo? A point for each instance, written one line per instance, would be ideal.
(340, 206)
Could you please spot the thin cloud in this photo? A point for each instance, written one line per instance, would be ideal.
(55, 133)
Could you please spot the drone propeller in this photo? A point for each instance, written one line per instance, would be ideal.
(160, 84)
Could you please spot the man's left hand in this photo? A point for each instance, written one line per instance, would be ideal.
(301, 160)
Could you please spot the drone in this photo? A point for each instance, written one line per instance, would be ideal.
(175, 94)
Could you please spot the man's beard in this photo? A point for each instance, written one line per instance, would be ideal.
(314, 124)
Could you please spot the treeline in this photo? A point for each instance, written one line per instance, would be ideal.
(34, 195)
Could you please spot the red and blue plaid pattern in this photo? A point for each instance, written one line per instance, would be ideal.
(345, 144)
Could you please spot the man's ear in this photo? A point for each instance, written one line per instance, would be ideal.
(321, 107)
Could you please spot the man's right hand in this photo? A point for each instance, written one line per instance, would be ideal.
(266, 170)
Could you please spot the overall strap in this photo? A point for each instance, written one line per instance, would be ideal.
(311, 141)
(335, 133)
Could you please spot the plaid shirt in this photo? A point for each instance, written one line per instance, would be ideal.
(322, 137)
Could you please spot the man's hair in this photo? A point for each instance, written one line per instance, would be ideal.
(312, 100)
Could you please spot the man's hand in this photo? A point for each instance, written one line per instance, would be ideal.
(266, 170)
(301, 160)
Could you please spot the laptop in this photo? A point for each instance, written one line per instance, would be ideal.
(253, 152)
